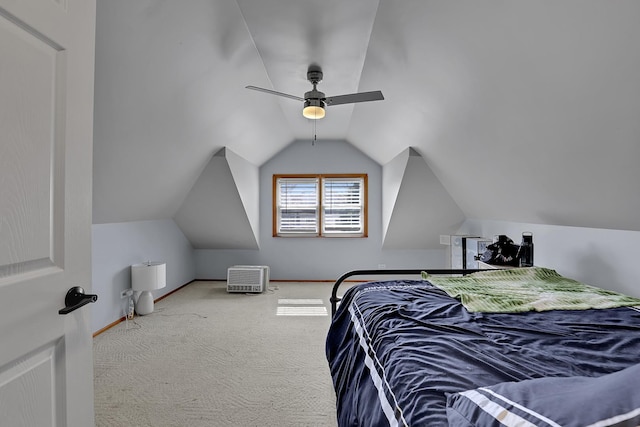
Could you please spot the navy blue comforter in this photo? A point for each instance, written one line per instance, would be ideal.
(397, 349)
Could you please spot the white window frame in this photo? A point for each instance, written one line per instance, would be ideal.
(307, 199)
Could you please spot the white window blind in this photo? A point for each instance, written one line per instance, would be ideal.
(298, 206)
(342, 205)
(320, 205)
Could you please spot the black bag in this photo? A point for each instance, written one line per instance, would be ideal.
(501, 252)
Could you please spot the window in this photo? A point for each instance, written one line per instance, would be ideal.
(320, 205)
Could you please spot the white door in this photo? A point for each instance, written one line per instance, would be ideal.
(46, 122)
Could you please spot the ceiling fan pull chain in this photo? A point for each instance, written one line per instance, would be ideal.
(315, 136)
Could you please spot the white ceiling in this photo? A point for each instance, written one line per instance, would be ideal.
(525, 110)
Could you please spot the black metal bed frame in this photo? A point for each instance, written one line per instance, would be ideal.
(334, 292)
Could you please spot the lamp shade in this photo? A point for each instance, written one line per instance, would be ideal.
(148, 276)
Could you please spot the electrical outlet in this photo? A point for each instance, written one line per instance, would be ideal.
(382, 266)
(126, 293)
(445, 239)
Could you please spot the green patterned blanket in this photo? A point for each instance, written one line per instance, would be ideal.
(526, 289)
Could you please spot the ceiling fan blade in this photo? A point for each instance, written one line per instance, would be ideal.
(273, 92)
(376, 95)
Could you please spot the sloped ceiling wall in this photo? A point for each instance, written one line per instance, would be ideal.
(416, 207)
(525, 111)
(169, 91)
(221, 210)
(522, 109)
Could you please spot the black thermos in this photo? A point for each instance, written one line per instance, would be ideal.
(526, 250)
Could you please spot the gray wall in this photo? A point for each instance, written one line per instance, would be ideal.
(317, 258)
(115, 247)
(599, 257)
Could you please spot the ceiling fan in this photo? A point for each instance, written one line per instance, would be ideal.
(316, 101)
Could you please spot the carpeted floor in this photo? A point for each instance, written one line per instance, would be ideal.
(209, 358)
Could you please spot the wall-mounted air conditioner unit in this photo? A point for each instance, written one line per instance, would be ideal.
(247, 278)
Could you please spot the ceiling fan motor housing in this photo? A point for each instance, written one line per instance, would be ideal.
(311, 102)
(314, 95)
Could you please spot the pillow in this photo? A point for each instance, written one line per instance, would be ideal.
(609, 400)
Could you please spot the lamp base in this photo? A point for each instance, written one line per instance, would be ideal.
(144, 305)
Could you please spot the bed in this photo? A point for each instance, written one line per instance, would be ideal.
(500, 347)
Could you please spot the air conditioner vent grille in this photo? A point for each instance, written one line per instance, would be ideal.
(247, 278)
(244, 276)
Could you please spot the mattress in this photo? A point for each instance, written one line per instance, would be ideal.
(404, 352)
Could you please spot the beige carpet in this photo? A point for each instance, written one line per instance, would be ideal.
(209, 358)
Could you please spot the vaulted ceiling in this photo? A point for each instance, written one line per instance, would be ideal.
(525, 111)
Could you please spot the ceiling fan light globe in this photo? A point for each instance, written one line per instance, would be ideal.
(313, 112)
(313, 109)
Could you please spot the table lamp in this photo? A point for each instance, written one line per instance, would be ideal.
(145, 278)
